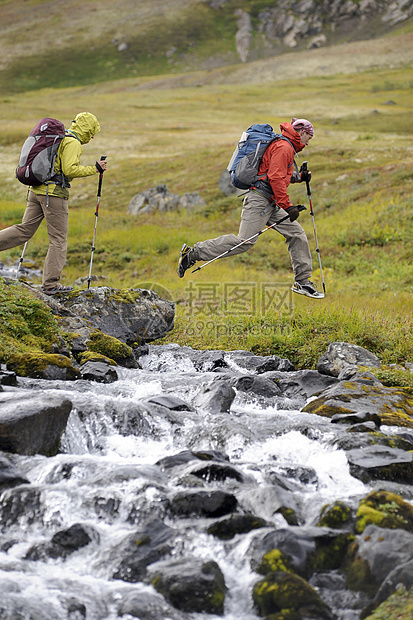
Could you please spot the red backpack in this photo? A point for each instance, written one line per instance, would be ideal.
(38, 154)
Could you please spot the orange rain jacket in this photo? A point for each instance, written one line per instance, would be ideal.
(278, 164)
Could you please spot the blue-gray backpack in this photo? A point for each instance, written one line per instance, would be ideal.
(246, 159)
(38, 154)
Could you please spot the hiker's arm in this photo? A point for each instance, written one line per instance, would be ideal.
(279, 177)
(70, 161)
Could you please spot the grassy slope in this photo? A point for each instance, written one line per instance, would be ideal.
(181, 130)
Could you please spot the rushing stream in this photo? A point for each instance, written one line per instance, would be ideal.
(106, 478)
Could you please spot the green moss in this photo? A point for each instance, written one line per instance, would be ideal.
(358, 575)
(274, 561)
(108, 346)
(25, 321)
(384, 509)
(35, 364)
(91, 356)
(334, 516)
(399, 606)
(289, 515)
(285, 592)
(330, 553)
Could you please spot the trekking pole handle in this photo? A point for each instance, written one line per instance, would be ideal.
(304, 168)
(101, 171)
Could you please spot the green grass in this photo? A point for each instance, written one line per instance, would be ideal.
(183, 136)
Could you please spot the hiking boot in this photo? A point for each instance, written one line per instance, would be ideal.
(186, 259)
(55, 290)
(305, 287)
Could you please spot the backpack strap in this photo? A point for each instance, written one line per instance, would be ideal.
(263, 179)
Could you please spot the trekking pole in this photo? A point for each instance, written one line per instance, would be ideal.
(300, 208)
(20, 260)
(96, 222)
(304, 169)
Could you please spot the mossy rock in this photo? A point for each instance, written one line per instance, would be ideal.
(399, 606)
(91, 356)
(384, 509)
(235, 524)
(330, 552)
(274, 561)
(358, 573)
(109, 346)
(335, 516)
(286, 593)
(40, 365)
(393, 405)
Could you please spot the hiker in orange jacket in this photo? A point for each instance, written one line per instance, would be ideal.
(266, 203)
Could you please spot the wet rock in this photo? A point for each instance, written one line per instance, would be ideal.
(377, 552)
(307, 549)
(381, 463)
(49, 366)
(357, 418)
(267, 501)
(139, 550)
(129, 419)
(384, 509)
(301, 383)
(191, 585)
(20, 504)
(217, 472)
(186, 456)
(236, 524)
(98, 371)
(7, 377)
(401, 576)
(285, 592)
(260, 364)
(170, 402)
(10, 476)
(394, 406)
(336, 516)
(341, 354)
(32, 423)
(216, 397)
(131, 315)
(256, 386)
(147, 606)
(370, 438)
(207, 361)
(208, 504)
(63, 543)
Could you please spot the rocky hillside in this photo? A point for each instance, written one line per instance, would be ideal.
(68, 43)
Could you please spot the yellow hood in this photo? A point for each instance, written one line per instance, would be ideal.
(85, 125)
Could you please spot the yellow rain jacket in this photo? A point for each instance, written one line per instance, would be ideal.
(82, 129)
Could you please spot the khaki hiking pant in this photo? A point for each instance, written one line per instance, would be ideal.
(254, 217)
(56, 214)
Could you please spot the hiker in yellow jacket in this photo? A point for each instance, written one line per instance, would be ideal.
(51, 203)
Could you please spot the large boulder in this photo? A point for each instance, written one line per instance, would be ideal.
(131, 315)
(342, 354)
(191, 585)
(394, 406)
(32, 422)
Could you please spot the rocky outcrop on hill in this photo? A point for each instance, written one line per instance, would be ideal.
(159, 198)
(307, 23)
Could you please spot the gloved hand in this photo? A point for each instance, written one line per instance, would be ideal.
(305, 175)
(293, 212)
